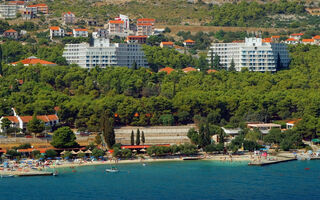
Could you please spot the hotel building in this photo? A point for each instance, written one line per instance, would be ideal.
(255, 54)
(104, 54)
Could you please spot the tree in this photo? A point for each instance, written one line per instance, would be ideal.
(232, 67)
(132, 137)
(5, 124)
(97, 153)
(50, 153)
(64, 138)
(274, 136)
(143, 140)
(211, 59)
(279, 64)
(216, 62)
(138, 137)
(1, 73)
(107, 129)
(35, 125)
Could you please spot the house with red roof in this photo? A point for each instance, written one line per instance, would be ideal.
(117, 27)
(291, 41)
(138, 39)
(316, 39)
(189, 69)
(168, 70)
(33, 61)
(275, 38)
(308, 41)
(166, 44)
(56, 31)
(291, 123)
(39, 8)
(189, 43)
(12, 34)
(69, 18)
(296, 36)
(80, 32)
(145, 29)
(21, 122)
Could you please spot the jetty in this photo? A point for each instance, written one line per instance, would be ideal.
(270, 162)
(26, 173)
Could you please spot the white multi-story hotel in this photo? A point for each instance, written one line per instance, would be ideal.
(254, 54)
(104, 54)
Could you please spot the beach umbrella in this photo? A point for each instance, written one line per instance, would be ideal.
(63, 152)
(88, 151)
(134, 150)
(143, 150)
(73, 152)
(80, 152)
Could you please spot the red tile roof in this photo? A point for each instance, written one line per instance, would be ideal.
(69, 13)
(297, 34)
(267, 40)
(26, 119)
(38, 5)
(136, 36)
(189, 69)
(308, 40)
(11, 31)
(291, 39)
(80, 29)
(16, 2)
(144, 24)
(33, 61)
(44, 118)
(13, 119)
(275, 36)
(146, 20)
(55, 28)
(141, 146)
(168, 70)
(317, 37)
(189, 41)
(116, 22)
(167, 43)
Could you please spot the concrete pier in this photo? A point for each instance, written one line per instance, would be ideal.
(26, 173)
(270, 162)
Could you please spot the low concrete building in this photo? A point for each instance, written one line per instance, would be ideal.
(155, 134)
(166, 44)
(264, 128)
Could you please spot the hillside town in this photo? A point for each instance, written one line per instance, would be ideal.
(77, 89)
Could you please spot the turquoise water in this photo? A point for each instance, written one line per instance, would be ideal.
(173, 180)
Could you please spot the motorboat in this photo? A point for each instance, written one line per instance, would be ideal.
(112, 170)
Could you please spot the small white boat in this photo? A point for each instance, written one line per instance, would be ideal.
(144, 164)
(112, 170)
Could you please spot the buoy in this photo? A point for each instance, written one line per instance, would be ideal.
(74, 171)
(307, 168)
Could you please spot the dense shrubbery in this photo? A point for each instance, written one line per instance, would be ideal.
(140, 97)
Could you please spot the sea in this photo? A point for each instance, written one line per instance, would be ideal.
(172, 180)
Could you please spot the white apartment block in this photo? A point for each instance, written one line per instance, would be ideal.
(117, 27)
(104, 54)
(253, 54)
(8, 11)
